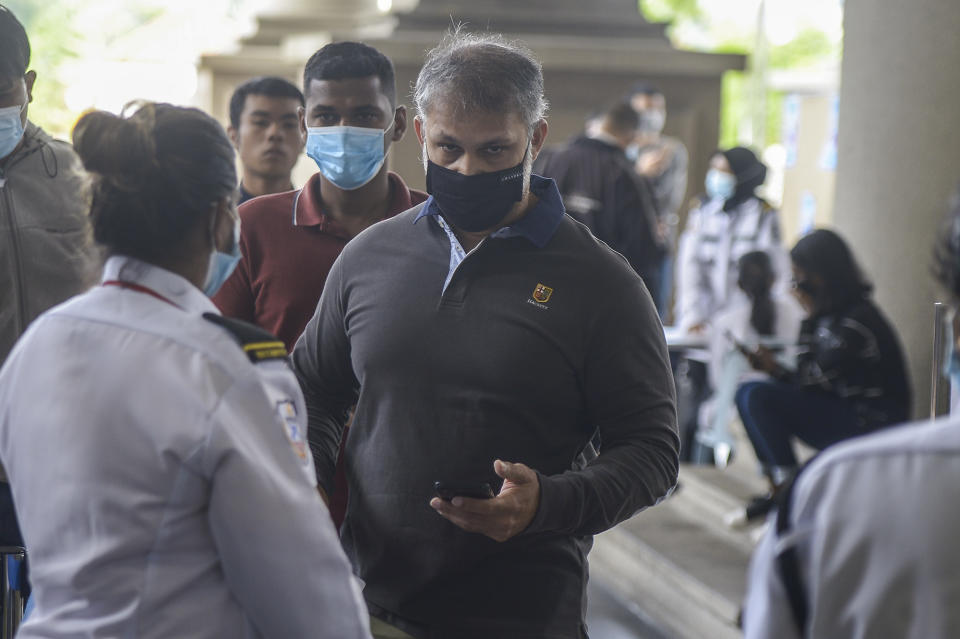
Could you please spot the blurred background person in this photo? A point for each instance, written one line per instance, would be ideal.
(265, 131)
(726, 223)
(46, 254)
(864, 543)
(850, 377)
(153, 464)
(765, 317)
(662, 160)
(600, 189)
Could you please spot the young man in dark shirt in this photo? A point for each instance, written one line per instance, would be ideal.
(265, 130)
(485, 338)
(290, 240)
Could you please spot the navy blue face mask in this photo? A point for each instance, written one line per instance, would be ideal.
(475, 203)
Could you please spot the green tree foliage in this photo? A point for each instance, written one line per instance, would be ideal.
(810, 47)
(52, 43)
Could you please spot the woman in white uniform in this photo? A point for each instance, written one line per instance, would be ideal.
(155, 449)
(728, 222)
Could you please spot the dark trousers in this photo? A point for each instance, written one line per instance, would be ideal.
(9, 527)
(773, 413)
(690, 380)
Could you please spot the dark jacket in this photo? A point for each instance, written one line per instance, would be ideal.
(46, 252)
(854, 353)
(601, 190)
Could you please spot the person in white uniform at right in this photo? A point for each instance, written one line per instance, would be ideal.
(162, 479)
(864, 545)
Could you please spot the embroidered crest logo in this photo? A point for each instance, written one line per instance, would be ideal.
(542, 293)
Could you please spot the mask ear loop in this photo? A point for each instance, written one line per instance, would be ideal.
(213, 224)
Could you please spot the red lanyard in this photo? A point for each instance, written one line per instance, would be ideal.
(140, 289)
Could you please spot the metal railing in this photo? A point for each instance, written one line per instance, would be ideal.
(939, 383)
(14, 577)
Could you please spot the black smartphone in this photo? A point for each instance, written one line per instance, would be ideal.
(447, 490)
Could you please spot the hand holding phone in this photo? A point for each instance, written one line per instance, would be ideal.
(740, 346)
(446, 490)
(499, 516)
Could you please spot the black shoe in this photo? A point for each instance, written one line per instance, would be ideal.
(759, 506)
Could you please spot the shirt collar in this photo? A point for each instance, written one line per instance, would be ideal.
(540, 222)
(243, 195)
(308, 207)
(164, 283)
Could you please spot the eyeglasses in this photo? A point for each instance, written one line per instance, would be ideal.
(802, 285)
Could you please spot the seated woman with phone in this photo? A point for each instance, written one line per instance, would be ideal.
(850, 377)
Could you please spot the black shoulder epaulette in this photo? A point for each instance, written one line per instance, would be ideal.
(258, 344)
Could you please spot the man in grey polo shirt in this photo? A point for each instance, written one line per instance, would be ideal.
(485, 338)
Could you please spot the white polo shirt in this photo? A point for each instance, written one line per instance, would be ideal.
(875, 526)
(158, 477)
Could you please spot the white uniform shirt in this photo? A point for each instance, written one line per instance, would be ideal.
(158, 488)
(712, 243)
(876, 526)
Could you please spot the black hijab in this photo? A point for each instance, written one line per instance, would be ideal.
(749, 171)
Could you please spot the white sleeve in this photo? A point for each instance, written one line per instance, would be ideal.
(280, 553)
(766, 611)
(689, 294)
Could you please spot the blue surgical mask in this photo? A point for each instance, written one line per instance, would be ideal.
(222, 264)
(11, 129)
(951, 359)
(720, 184)
(348, 156)
(632, 152)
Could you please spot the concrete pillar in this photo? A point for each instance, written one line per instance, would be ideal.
(898, 156)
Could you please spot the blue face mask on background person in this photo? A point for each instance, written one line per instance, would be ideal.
(632, 152)
(475, 203)
(348, 156)
(11, 129)
(720, 184)
(222, 264)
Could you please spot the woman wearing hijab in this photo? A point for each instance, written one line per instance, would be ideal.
(728, 222)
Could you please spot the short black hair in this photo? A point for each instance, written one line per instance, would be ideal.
(621, 118)
(342, 60)
(645, 88)
(270, 86)
(14, 45)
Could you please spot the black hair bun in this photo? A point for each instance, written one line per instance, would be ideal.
(116, 148)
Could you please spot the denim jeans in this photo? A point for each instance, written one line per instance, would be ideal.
(773, 413)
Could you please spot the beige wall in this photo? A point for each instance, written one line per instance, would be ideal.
(807, 178)
(899, 155)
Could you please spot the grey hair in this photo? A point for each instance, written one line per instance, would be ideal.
(484, 72)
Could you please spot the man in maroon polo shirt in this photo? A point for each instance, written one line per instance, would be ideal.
(290, 240)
